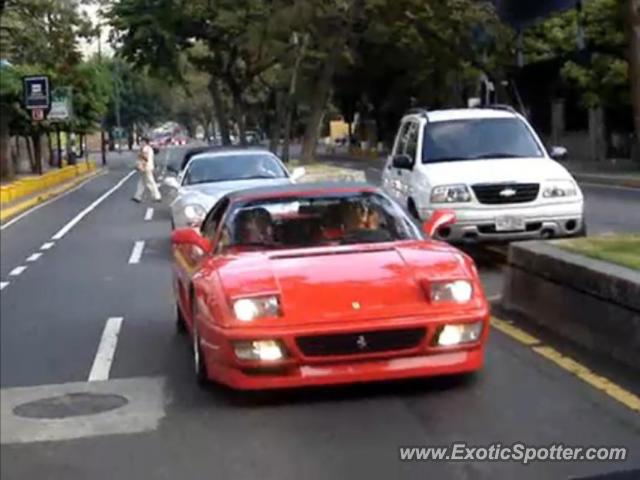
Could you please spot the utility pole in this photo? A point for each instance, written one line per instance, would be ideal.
(103, 148)
(633, 14)
(292, 92)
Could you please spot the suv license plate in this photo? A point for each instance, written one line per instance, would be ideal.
(510, 224)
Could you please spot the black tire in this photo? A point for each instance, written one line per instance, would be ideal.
(582, 232)
(202, 378)
(181, 325)
(413, 211)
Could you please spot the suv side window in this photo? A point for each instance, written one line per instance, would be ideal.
(401, 140)
(210, 224)
(411, 141)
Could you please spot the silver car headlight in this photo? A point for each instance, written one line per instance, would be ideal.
(559, 189)
(251, 308)
(459, 291)
(450, 194)
(194, 214)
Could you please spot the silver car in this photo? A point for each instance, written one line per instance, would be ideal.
(210, 175)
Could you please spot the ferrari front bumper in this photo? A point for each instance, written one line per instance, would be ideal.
(299, 368)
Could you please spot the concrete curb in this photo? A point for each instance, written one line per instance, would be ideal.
(8, 212)
(608, 180)
(592, 303)
(34, 184)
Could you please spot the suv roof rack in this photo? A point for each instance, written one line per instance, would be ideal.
(417, 111)
(500, 106)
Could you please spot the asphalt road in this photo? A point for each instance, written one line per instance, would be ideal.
(53, 317)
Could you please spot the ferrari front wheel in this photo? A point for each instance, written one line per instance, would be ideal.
(202, 379)
(181, 325)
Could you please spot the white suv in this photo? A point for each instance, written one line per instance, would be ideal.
(490, 167)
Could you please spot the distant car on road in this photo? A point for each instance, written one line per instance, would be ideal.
(212, 173)
(319, 284)
(490, 167)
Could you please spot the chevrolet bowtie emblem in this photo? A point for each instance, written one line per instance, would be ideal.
(508, 192)
(356, 305)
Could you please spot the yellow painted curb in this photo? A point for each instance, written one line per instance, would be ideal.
(7, 212)
(598, 382)
(30, 185)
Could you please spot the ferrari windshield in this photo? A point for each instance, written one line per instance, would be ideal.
(314, 221)
(477, 139)
(223, 168)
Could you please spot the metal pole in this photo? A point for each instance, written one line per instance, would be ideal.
(117, 86)
(59, 143)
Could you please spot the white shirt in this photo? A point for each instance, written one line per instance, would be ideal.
(147, 151)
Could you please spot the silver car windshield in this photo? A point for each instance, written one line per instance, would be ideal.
(477, 139)
(224, 168)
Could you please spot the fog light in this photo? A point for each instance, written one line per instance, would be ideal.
(263, 350)
(450, 335)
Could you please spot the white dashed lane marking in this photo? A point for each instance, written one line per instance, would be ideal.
(136, 253)
(34, 257)
(3, 285)
(47, 246)
(17, 271)
(106, 350)
(148, 214)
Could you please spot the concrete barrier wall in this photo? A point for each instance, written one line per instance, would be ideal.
(591, 303)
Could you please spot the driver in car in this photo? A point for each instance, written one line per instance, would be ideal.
(254, 227)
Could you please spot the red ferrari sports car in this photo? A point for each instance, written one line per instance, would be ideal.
(320, 284)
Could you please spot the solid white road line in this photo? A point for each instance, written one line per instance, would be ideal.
(136, 253)
(47, 246)
(106, 350)
(3, 285)
(44, 204)
(64, 230)
(17, 271)
(149, 214)
(34, 257)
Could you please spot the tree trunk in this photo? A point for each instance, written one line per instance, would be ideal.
(36, 139)
(634, 67)
(50, 147)
(6, 164)
(239, 114)
(27, 142)
(276, 126)
(221, 111)
(318, 104)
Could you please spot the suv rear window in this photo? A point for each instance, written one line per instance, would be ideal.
(476, 139)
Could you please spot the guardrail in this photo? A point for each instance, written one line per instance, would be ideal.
(32, 185)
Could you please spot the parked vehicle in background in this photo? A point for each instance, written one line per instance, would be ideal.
(321, 284)
(210, 174)
(490, 167)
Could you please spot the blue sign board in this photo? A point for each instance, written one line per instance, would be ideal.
(37, 94)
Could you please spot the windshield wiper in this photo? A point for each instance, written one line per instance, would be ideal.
(496, 155)
(253, 177)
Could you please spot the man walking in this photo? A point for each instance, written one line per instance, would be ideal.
(145, 167)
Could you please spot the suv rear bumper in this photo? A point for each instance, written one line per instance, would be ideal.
(477, 223)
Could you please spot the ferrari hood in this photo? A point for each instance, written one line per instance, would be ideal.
(350, 283)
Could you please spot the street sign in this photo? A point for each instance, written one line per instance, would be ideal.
(36, 92)
(119, 133)
(37, 114)
(61, 105)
